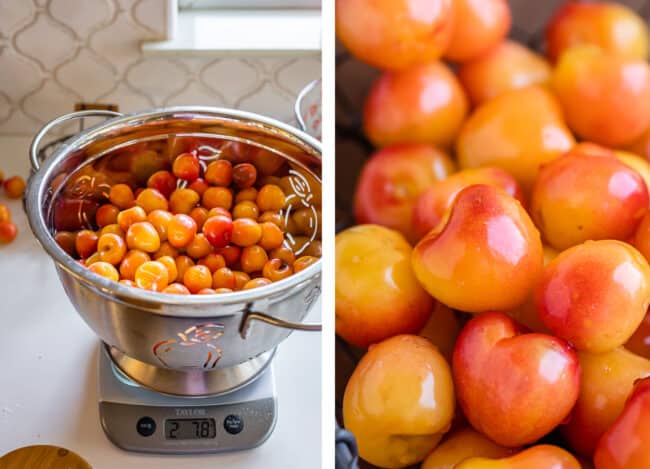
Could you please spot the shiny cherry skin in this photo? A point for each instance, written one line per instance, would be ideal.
(399, 401)
(431, 206)
(600, 24)
(106, 215)
(463, 444)
(606, 382)
(479, 25)
(151, 199)
(197, 277)
(586, 194)
(595, 294)
(377, 294)
(152, 275)
(369, 31)
(514, 387)
(86, 243)
(105, 270)
(163, 181)
(637, 163)
(487, 237)
(181, 230)
(517, 131)
(128, 217)
(535, 457)
(14, 187)
(246, 232)
(218, 230)
(605, 98)
(8, 232)
(505, 67)
(391, 181)
(130, 263)
(111, 248)
(186, 166)
(626, 444)
(423, 104)
(143, 236)
(219, 173)
(183, 201)
(270, 198)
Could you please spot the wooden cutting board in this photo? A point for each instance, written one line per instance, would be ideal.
(43, 457)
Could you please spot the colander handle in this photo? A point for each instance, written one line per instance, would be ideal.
(36, 143)
(297, 107)
(253, 316)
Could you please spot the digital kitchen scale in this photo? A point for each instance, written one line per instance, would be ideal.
(138, 419)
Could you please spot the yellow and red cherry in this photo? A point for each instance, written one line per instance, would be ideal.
(186, 166)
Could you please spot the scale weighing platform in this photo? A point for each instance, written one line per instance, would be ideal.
(138, 419)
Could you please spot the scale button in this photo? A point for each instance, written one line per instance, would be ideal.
(233, 424)
(146, 426)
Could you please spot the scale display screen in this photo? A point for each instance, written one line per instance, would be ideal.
(190, 429)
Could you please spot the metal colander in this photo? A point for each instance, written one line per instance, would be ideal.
(176, 344)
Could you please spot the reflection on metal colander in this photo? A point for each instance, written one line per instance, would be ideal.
(301, 197)
(193, 348)
(308, 109)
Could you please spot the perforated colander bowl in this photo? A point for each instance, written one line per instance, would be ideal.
(179, 344)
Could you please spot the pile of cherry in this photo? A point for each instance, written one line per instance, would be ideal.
(498, 280)
(13, 188)
(198, 228)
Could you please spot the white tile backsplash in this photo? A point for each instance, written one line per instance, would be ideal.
(54, 53)
(45, 41)
(84, 17)
(248, 76)
(13, 14)
(19, 76)
(86, 75)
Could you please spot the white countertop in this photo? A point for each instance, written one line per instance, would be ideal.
(48, 372)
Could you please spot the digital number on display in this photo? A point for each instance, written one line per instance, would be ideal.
(190, 429)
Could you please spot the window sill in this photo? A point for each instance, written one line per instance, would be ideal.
(239, 32)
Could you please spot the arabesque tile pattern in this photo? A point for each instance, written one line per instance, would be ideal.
(54, 53)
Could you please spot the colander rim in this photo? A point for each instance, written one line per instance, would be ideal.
(35, 192)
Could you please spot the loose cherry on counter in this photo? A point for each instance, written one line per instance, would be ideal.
(14, 187)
